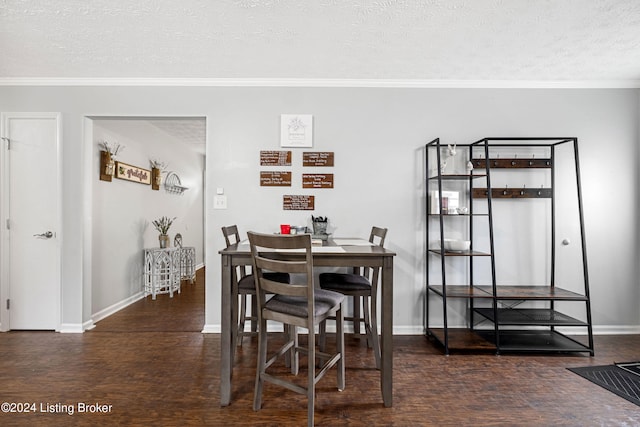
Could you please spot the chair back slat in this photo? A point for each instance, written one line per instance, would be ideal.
(232, 237)
(377, 237)
(269, 253)
(378, 234)
(279, 288)
(270, 264)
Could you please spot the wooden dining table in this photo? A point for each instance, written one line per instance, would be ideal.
(335, 252)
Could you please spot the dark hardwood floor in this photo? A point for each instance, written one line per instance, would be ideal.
(149, 364)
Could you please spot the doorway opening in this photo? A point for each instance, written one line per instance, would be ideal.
(123, 211)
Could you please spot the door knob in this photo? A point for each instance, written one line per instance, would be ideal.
(46, 235)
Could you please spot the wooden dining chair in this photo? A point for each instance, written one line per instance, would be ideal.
(245, 285)
(297, 305)
(359, 284)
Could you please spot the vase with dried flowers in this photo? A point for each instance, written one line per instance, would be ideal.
(162, 225)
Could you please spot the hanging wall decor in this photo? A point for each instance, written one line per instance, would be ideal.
(173, 185)
(275, 179)
(317, 180)
(317, 158)
(298, 203)
(275, 158)
(296, 130)
(107, 166)
(108, 153)
(133, 173)
(157, 167)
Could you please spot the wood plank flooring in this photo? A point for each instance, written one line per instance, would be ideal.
(150, 365)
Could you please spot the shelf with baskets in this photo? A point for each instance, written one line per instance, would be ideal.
(508, 291)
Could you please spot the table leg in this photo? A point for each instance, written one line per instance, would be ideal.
(225, 344)
(386, 373)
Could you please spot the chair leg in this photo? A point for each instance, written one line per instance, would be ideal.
(243, 318)
(287, 355)
(367, 321)
(295, 358)
(311, 377)
(356, 315)
(234, 325)
(254, 311)
(340, 347)
(372, 326)
(322, 340)
(262, 360)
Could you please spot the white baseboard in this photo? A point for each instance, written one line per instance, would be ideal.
(616, 330)
(102, 314)
(211, 329)
(419, 330)
(71, 328)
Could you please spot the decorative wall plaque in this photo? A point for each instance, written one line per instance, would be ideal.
(133, 173)
(298, 203)
(310, 158)
(317, 180)
(275, 158)
(296, 130)
(275, 179)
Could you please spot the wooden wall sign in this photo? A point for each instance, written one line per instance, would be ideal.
(275, 179)
(298, 203)
(133, 173)
(275, 158)
(107, 165)
(317, 180)
(310, 158)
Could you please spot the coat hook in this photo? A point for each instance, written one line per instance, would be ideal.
(522, 191)
(504, 192)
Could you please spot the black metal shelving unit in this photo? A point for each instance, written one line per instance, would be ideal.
(500, 317)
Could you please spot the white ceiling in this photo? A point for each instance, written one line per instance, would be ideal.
(191, 131)
(589, 41)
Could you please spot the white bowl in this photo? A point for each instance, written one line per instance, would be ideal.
(456, 245)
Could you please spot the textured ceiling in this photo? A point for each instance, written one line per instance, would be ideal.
(191, 131)
(427, 40)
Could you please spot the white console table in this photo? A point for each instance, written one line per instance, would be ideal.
(162, 271)
(165, 268)
(188, 264)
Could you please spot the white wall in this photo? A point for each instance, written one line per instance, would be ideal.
(123, 210)
(378, 137)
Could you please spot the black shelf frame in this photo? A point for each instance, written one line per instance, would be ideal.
(443, 334)
(503, 335)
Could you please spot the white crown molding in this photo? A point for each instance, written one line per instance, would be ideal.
(351, 83)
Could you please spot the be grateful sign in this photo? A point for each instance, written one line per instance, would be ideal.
(133, 173)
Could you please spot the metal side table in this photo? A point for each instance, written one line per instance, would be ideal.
(162, 271)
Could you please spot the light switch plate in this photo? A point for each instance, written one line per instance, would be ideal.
(220, 202)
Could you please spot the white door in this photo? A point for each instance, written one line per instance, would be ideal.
(30, 291)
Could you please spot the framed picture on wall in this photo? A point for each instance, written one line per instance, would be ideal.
(296, 130)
